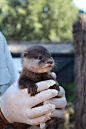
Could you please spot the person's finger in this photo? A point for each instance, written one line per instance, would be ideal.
(58, 102)
(61, 92)
(43, 85)
(53, 75)
(41, 110)
(41, 97)
(38, 120)
(57, 113)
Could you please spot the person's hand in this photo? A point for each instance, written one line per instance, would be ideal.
(16, 104)
(60, 104)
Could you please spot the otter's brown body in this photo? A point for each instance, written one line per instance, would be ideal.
(36, 65)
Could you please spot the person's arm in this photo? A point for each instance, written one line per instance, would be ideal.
(8, 73)
(8, 60)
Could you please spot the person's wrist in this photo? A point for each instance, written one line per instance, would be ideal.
(2, 113)
(3, 121)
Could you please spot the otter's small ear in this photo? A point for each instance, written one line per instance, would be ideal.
(25, 54)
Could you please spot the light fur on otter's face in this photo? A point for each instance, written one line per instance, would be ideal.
(37, 59)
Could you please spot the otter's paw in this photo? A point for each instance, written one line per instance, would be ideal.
(32, 89)
(55, 86)
(53, 123)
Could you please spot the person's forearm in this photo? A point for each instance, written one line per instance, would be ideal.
(3, 121)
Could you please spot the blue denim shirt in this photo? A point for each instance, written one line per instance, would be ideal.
(8, 73)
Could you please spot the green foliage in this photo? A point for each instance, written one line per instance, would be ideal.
(44, 20)
(69, 91)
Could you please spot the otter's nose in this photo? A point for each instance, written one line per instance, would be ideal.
(49, 62)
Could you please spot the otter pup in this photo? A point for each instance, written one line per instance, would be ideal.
(36, 65)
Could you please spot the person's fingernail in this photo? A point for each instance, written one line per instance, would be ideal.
(48, 115)
(45, 118)
(42, 125)
(46, 102)
(54, 92)
(50, 82)
(48, 118)
(52, 106)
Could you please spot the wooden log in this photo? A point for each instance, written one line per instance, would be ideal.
(79, 35)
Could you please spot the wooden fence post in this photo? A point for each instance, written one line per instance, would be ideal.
(79, 35)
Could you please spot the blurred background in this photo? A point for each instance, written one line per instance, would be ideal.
(49, 23)
(44, 20)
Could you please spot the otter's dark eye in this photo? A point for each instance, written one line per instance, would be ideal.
(39, 57)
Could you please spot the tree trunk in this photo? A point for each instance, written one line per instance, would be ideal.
(79, 34)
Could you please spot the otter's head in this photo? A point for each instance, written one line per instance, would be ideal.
(37, 59)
